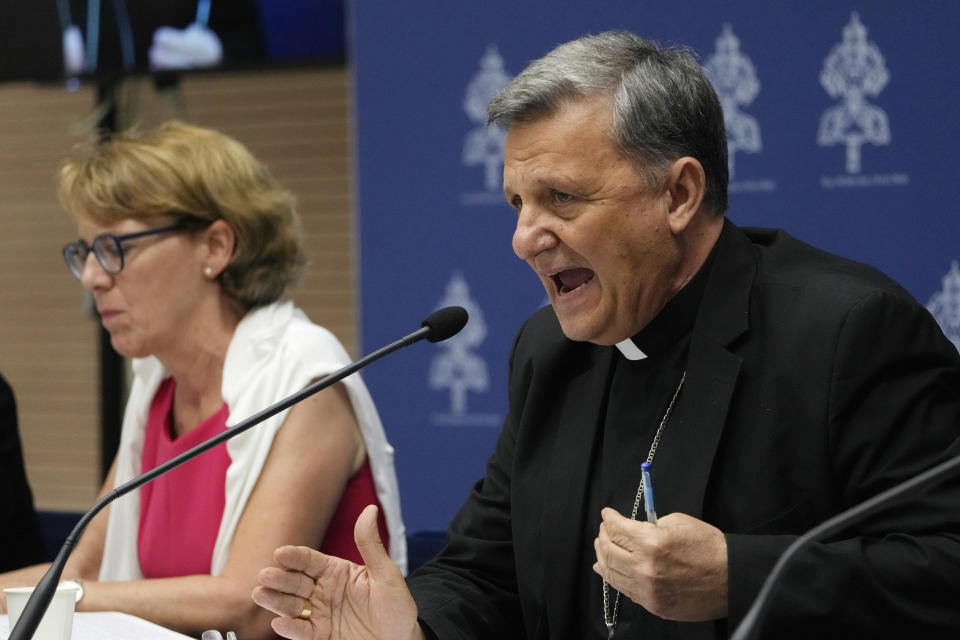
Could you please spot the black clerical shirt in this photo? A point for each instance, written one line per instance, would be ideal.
(638, 394)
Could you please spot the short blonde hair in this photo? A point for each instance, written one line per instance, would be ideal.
(193, 173)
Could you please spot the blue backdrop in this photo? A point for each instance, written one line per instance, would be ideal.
(842, 124)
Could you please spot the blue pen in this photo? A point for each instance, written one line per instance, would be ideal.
(648, 493)
(203, 12)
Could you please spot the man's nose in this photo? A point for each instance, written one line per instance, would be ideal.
(533, 234)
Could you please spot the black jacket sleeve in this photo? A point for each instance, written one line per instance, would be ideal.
(20, 541)
(893, 412)
(470, 589)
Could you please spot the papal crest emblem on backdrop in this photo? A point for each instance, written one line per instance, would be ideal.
(458, 367)
(734, 78)
(944, 305)
(483, 145)
(853, 74)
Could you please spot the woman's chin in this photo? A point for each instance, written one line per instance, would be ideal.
(127, 348)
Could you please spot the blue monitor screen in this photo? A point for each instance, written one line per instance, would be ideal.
(100, 39)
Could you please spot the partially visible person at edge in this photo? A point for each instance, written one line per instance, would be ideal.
(187, 243)
(20, 540)
(772, 384)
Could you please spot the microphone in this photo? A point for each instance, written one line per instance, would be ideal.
(445, 323)
(438, 326)
(754, 617)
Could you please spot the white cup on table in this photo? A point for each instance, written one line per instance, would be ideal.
(57, 622)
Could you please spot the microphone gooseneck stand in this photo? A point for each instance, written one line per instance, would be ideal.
(438, 326)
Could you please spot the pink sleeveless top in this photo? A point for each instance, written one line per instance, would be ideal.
(180, 512)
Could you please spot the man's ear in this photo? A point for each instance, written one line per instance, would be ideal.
(686, 184)
(218, 242)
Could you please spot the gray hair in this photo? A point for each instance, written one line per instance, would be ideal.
(664, 107)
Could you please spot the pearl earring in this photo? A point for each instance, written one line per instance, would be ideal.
(207, 271)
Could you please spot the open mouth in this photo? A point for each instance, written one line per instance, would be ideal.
(571, 279)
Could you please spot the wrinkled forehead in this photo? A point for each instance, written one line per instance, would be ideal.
(93, 222)
(575, 139)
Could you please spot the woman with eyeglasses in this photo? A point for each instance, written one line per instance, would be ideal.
(187, 243)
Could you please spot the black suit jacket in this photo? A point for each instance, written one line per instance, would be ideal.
(813, 383)
(20, 541)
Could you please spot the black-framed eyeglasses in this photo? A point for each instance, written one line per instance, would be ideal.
(108, 248)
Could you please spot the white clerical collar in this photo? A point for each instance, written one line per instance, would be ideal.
(630, 350)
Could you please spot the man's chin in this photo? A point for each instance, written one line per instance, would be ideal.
(579, 331)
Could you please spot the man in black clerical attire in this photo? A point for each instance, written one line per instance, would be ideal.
(771, 385)
(20, 541)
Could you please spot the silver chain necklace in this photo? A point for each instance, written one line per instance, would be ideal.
(608, 619)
